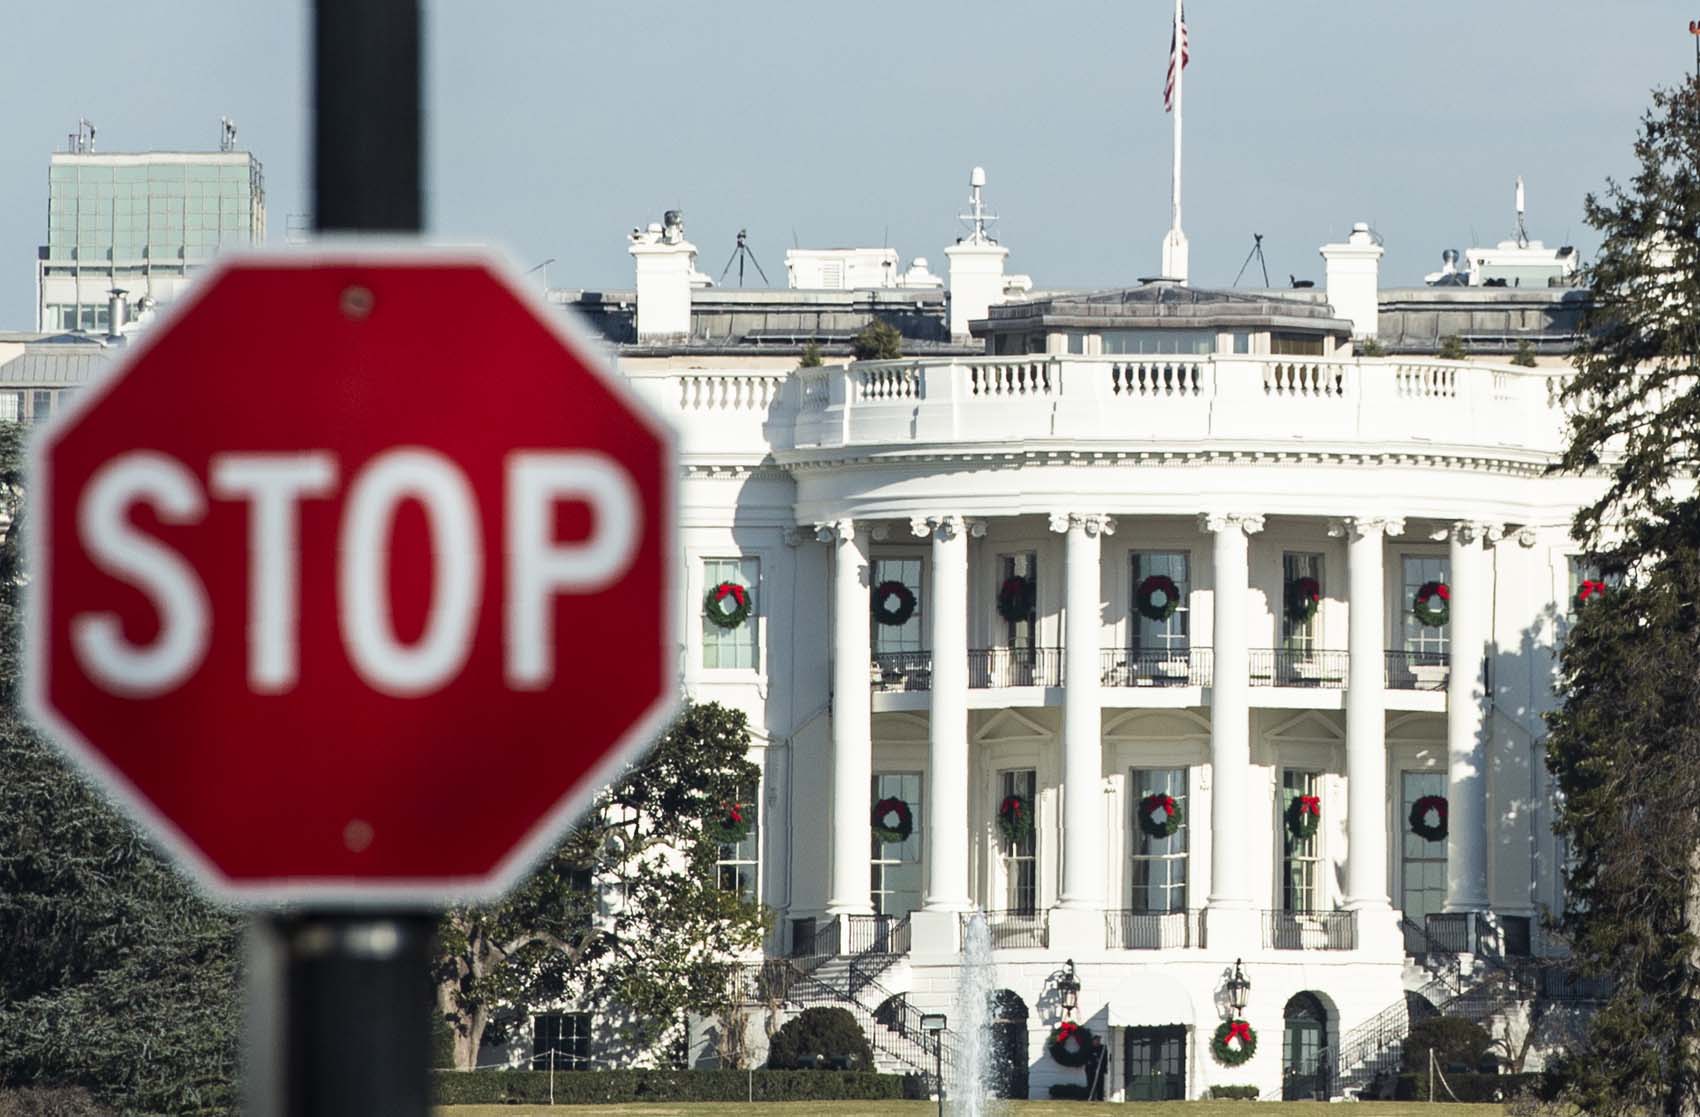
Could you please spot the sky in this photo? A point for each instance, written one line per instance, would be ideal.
(555, 126)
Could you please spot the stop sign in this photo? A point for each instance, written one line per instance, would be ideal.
(352, 579)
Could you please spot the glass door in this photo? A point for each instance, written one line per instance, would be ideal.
(1155, 1064)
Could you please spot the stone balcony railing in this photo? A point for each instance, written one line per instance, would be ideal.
(1186, 399)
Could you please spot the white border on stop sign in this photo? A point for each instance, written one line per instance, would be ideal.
(342, 250)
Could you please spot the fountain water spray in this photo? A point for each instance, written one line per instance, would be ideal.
(969, 1093)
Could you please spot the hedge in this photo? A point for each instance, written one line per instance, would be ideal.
(599, 1087)
(1469, 1086)
(1069, 1091)
(1233, 1093)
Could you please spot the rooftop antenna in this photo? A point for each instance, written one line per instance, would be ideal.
(1257, 254)
(83, 142)
(740, 253)
(226, 134)
(1522, 233)
(977, 217)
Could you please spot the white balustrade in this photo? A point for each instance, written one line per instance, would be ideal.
(1015, 378)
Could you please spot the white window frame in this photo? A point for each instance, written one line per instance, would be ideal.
(712, 570)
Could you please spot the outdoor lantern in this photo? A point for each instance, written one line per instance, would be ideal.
(1239, 989)
(1068, 989)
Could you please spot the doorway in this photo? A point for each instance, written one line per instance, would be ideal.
(1304, 1050)
(1154, 1067)
(1008, 1078)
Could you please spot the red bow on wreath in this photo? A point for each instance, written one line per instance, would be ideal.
(1012, 804)
(1167, 802)
(730, 589)
(1238, 1030)
(1590, 587)
(733, 814)
(1064, 1030)
(1310, 804)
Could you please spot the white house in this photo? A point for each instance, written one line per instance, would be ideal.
(1105, 548)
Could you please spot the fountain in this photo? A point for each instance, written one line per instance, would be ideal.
(969, 1093)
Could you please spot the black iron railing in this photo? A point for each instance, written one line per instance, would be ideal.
(1151, 930)
(1007, 667)
(1457, 932)
(874, 934)
(902, 671)
(1156, 667)
(1310, 930)
(1293, 667)
(814, 938)
(1417, 670)
(1014, 930)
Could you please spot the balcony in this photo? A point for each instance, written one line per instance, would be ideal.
(1384, 403)
(1015, 930)
(989, 668)
(1418, 670)
(1153, 930)
(1300, 668)
(1134, 667)
(901, 671)
(1310, 930)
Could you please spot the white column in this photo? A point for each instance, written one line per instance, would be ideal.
(1083, 759)
(1230, 711)
(852, 719)
(1366, 721)
(945, 845)
(1466, 747)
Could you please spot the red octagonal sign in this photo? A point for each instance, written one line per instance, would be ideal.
(352, 579)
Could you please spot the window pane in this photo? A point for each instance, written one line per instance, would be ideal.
(910, 636)
(1159, 864)
(1020, 859)
(1420, 569)
(732, 648)
(896, 866)
(1301, 857)
(1297, 635)
(1170, 634)
(1422, 880)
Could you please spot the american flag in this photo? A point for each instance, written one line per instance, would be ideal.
(1177, 39)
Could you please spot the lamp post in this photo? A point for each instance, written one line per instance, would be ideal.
(933, 1023)
(1239, 990)
(1068, 989)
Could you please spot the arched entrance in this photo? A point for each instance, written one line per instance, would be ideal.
(1009, 1045)
(1305, 1058)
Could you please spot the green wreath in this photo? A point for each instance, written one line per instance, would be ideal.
(715, 608)
(1419, 818)
(1148, 808)
(1157, 598)
(1015, 599)
(1069, 1044)
(893, 821)
(1433, 604)
(731, 827)
(1015, 818)
(1588, 590)
(1304, 596)
(1304, 815)
(1243, 1047)
(894, 603)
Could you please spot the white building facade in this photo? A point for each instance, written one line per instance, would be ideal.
(1112, 548)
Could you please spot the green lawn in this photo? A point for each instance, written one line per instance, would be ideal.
(1017, 1109)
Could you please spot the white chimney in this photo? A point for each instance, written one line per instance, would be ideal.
(1353, 279)
(666, 265)
(976, 265)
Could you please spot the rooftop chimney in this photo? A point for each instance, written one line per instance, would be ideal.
(666, 264)
(976, 265)
(1353, 279)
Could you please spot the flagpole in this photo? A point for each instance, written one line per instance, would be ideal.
(1180, 80)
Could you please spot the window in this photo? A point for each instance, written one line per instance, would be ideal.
(1301, 858)
(561, 1040)
(1296, 635)
(11, 407)
(896, 877)
(910, 635)
(1159, 864)
(1418, 570)
(1159, 341)
(1020, 859)
(1170, 634)
(1242, 342)
(1422, 863)
(733, 648)
(1581, 570)
(1295, 345)
(738, 864)
(1020, 633)
(41, 406)
(1076, 341)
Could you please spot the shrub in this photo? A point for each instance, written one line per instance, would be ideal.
(1233, 1093)
(878, 341)
(1451, 348)
(1525, 355)
(1454, 1041)
(811, 355)
(831, 1032)
(442, 1043)
(1069, 1091)
(1369, 347)
(1469, 1087)
(50, 1101)
(611, 1087)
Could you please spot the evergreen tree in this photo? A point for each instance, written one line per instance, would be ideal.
(1525, 355)
(1625, 747)
(877, 341)
(627, 915)
(1451, 348)
(811, 355)
(114, 974)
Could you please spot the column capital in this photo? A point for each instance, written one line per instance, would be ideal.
(1248, 522)
(1093, 523)
(835, 531)
(946, 527)
(1469, 532)
(1358, 527)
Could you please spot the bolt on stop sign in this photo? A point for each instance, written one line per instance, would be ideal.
(352, 579)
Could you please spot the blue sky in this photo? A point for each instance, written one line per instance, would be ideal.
(554, 126)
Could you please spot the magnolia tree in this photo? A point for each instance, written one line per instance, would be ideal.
(627, 916)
